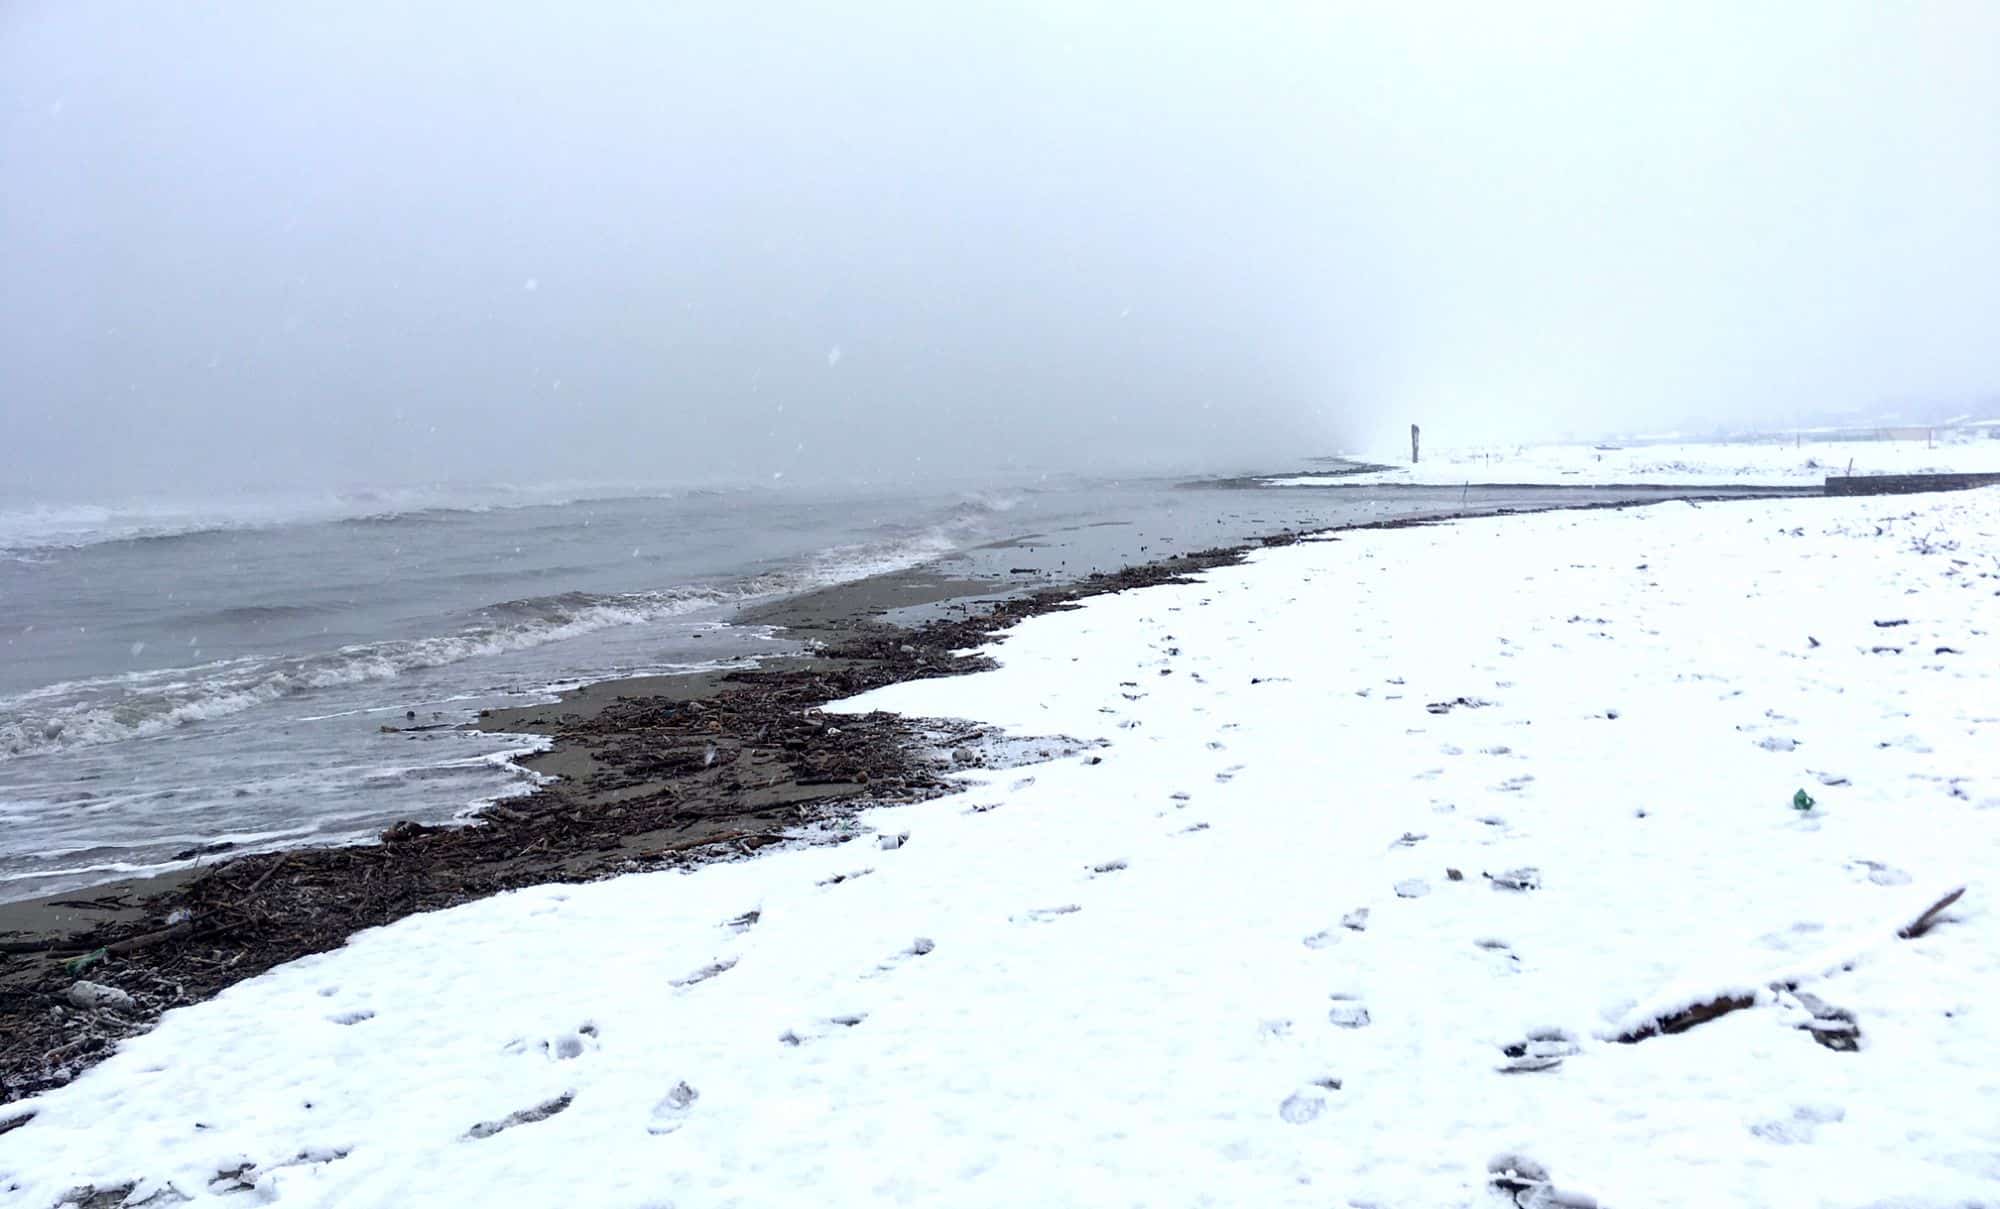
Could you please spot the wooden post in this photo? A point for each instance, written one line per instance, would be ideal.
(1413, 444)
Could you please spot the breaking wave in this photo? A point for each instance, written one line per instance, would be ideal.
(138, 704)
(43, 528)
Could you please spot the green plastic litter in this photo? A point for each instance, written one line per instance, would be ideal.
(1802, 801)
(77, 965)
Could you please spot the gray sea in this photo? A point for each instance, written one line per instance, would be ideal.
(174, 678)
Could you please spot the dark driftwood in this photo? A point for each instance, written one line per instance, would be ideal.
(147, 941)
(1687, 1017)
(1924, 922)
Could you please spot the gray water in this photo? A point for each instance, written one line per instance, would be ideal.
(177, 678)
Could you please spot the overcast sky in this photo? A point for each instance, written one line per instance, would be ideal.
(368, 242)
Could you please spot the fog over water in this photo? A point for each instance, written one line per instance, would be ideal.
(351, 243)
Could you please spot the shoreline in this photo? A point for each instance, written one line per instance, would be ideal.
(1389, 863)
(655, 772)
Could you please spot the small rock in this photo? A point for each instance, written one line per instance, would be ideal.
(1454, 875)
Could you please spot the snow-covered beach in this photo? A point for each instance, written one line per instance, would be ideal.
(1772, 463)
(1380, 842)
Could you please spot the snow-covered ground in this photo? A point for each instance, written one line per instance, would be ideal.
(1764, 463)
(1376, 823)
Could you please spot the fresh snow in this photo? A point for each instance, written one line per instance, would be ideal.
(1220, 957)
(1763, 463)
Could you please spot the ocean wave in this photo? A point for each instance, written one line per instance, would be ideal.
(28, 534)
(136, 705)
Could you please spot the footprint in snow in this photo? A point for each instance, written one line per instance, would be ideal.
(672, 1110)
(917, 948)
(794, 1038)
(1300, 1107)
(1527, 877)
(1499, 955)
(1106, 867)
(1229, 774)
(1800, 1126)
(744, 922)
(838, 878)
(1192, 829)
(1347, 1011)
(1543, 1049)
(560, 1048)
(713, 968)
(354, 1017)
(1044, 914)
